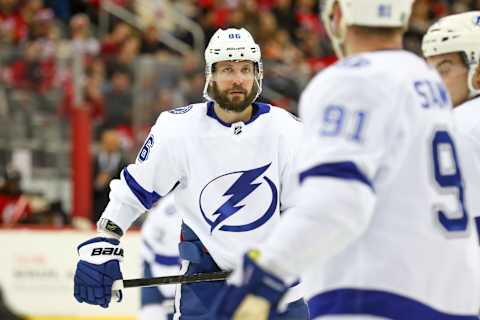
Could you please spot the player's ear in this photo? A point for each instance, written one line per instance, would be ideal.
(476, 79)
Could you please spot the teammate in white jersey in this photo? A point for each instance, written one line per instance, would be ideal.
(229, 162)
(160, 237)
(452, 46)
(380, 230)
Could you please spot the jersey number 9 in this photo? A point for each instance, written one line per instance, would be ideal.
(448, 177)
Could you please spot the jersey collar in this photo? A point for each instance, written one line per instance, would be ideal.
(258, 109)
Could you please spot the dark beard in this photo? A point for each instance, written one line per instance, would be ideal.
(236, 105)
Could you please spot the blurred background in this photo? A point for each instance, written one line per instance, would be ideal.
(82, 82)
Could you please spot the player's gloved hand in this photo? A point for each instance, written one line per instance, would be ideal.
(97, 269)
(251, 293)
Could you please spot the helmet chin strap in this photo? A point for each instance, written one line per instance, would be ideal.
(337, 37)
(471, 79)
(338, 46)
(205, 88)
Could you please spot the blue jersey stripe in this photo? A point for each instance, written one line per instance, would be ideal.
(376, 303)
(477, 224)
(151, 295)
(163, 259)
(148, 199)
(342, 170)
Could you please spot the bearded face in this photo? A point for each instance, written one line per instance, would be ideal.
(233, 86)
(235, 99)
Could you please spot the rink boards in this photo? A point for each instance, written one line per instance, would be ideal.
(36, 275)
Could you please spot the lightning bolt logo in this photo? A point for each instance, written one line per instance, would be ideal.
(237, 192)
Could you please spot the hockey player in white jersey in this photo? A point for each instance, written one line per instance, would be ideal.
(160, 238)
(380, 230)
(452, 46)
(229, 162)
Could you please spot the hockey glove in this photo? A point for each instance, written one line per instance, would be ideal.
(254, 297)
(97, 269)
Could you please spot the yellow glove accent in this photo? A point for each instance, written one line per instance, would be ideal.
(254, 254)
(252, 308)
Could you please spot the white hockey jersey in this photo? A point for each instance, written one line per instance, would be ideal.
(467, 117)
(381, 229)
(231, 182)
(160, 238)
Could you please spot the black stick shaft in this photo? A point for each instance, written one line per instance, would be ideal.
(181, 279)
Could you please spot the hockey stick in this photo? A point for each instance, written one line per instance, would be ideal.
(180, 279)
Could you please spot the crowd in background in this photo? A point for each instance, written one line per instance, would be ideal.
(35, 33)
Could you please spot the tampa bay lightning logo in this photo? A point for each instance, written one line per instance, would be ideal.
(217, 208)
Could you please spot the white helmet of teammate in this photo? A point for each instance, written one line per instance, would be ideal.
(367, 13)
(232, 45)
(456, 33)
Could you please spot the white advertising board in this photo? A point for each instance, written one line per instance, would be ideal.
(36, 273)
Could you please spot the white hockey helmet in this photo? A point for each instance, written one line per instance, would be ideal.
(367, 13)
(456, 33)
(232, 45)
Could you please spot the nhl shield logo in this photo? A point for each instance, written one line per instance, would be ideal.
(237, 130)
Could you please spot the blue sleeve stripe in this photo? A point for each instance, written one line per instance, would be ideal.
(163, 259)
(148, 199)
(385, 305)
(342, 170)
(477, 224)
(167, 260)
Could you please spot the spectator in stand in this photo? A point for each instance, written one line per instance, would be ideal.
(420, 20)
(16, 207)
(307, 15)
(129, 51)
(42, 25)
(29, 10)
(13, 204)
(282, 10)
(49, 213)
(93, 92)
(119, 99)
(151, 44)
(113, 42)
(267, 26)
(82, 41)
(107, 164)
(13, 28)
(93, 89)
(125, 57)
(245, 15)
(43, 36)
(32, 71)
